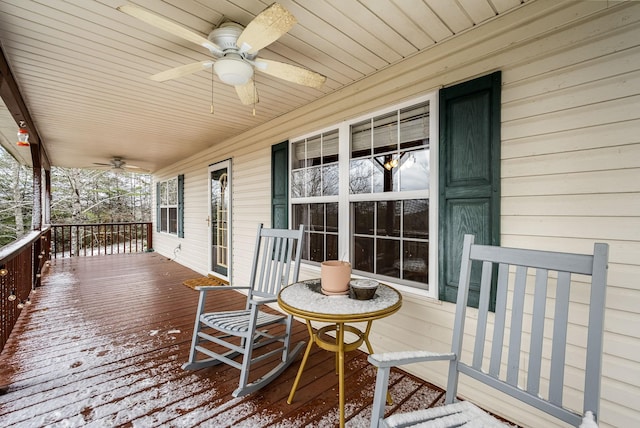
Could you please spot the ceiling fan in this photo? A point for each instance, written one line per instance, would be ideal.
(118, 164)
(235, 49)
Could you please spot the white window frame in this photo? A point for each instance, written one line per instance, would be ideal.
(344, 198)
(164, 205)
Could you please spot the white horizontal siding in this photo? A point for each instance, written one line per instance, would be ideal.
(570, 171)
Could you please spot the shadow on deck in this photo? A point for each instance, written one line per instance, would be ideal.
(104, 341)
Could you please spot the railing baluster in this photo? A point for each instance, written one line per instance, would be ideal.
(100, 238)
(18, 275)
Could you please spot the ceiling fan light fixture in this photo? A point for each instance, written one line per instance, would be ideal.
(233, 71)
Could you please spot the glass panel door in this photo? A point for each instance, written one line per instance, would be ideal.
(220, 219)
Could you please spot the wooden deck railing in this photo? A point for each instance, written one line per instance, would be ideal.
(78, 240)
(21, 266)
(22, 262)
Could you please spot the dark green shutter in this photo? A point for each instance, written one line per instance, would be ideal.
(181, 206)
(280, 185)
(469, 169)
(158, 213)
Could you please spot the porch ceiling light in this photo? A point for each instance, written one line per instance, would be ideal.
(233, 70)
(23, 137)
(390, 164)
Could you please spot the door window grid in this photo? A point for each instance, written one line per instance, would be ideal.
(220, 211)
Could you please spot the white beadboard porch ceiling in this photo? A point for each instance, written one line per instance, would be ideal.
(83, 67)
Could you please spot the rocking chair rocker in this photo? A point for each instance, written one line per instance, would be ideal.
(274, 265)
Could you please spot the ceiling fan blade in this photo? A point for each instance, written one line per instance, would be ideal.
(133, 168)
(168, 26)
(290, 73)
(247, 93)
(266, 28)
(183, 70)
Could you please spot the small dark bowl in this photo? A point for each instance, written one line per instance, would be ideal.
(362, 289)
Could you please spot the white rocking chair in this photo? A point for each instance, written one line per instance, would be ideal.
(531, 282)
(243, 331)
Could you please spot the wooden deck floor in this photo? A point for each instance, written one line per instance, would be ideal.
(103, 342)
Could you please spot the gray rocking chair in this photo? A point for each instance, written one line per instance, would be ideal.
(243, 331)
(528, 283)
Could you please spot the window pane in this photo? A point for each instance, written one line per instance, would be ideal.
(321, 222)
(385, 175)
(300, 215)
(332, 247)
(414, 126)
(314, 181)
(317, 217)
(415, 261)
(316, 249)
(363, 217)
(360, 171)
(414, 171)
(164, 219)
(298, 154)
(389, 218)
(307, 245)
(298, 183)
(332, 217)
(385, 137)
(172, 192)
(163, 193)
(313, 151)
(363, 254)
(416, 218)
(388, 257)
(361, 139)
(330, 179)
(173, 220)
(330, 147)
(400, 235)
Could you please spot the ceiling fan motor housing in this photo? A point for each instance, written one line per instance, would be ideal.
(232, 68)
(226, 35)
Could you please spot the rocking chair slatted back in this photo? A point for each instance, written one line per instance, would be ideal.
(272, 268)
(527, 282)
(542, 346)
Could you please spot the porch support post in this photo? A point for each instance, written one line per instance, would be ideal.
(47, 197)
(36, 217)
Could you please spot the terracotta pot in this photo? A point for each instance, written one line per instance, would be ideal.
(335, 276)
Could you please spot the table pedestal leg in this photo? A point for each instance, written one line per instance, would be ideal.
(339, 347)
(302, 364)
(340, 340)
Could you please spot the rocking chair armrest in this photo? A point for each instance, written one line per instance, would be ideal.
(263, 300)
(220, 287)
(392, 359)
